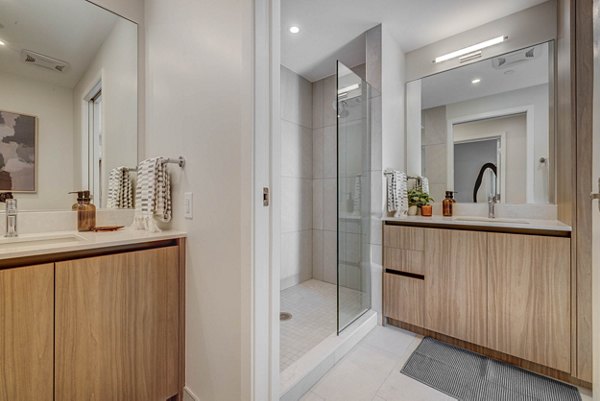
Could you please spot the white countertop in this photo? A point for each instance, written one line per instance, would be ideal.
(475, 221)
(26, 245)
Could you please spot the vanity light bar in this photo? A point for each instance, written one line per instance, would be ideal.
(348, 89)
(471, 49)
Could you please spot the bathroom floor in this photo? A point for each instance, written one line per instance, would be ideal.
(313, 305)
(371, 372)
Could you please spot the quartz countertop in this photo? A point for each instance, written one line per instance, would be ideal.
(48, 243)
(476, 222)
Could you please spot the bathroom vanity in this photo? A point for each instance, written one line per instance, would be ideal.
(502, 288)
(92, 316)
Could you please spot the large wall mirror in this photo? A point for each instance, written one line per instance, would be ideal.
(68, 100)
(486, 128)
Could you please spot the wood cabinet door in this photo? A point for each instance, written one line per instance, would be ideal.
(27, 333)
(403, 298)
(529, 283)
(116, 327)
(456, 283)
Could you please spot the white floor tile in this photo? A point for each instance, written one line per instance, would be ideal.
(313, 305)
(358, 376)
(310, 396)
(398, 387)
(391, 339)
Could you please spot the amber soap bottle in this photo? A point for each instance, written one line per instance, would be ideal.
(448, 203)
(86, 211)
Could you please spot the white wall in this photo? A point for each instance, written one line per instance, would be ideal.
(536, 96)
(296, 179)
(53, 105)
(385, 71)
(116, 66)
(131, 9)
(531, 26)
(199, 74)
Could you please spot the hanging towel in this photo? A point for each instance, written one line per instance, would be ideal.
(119, 189)
(397, 192)
(424, 184)
(152, 194)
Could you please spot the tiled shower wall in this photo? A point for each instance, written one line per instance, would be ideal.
(324, 266)
(296, 179)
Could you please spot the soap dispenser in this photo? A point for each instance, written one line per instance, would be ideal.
(448, 203)
(86, 211)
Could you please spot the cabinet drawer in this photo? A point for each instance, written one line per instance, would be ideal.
(408, 238)
(403, 260)
(403, 298)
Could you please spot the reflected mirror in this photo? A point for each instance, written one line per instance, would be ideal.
(68, 104)
(486, 129)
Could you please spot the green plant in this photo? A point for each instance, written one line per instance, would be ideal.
(416, 197)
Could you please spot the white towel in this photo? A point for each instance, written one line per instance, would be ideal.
(119, 189)
(424, 184)
(152, 194)
(397, 193)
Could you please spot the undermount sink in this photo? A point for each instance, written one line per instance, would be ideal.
(490, 220)
(39, 240)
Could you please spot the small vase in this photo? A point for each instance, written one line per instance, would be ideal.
(427, 210)
(412, 210)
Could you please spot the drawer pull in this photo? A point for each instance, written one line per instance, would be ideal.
(405, 274)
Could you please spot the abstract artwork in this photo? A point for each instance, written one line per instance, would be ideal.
(18, 140)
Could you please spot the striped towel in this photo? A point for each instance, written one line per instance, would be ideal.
(397, 193)
(356, 195)
(152, 194)
(119, 189)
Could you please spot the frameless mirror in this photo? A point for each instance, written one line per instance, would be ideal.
(68, 104)
(486, 128)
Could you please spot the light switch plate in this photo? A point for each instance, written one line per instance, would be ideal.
(188, 205)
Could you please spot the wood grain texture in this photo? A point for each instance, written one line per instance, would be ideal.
(529, 286)
(112, 327)
(490, 353)
(456, 284)
(27, 333)
(403, 260)
(407, 238)
(585, 98)
(404, 299)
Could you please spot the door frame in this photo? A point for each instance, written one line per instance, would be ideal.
(596, 213)
(528, 110)
(267, 220)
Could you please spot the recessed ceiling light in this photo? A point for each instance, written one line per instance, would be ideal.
(476, 81)
(2, 43)
(294, 29)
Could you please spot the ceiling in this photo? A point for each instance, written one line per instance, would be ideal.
(68, 30)
(329, 25)
(456, 85)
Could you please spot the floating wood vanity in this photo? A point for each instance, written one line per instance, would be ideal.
(498, 290)
(102, 320)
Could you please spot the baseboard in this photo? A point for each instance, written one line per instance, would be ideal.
(188, 395)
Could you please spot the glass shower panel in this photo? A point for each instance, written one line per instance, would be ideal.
(354, 196)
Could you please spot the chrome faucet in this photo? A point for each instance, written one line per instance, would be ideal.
(492, 200)
(11, 214)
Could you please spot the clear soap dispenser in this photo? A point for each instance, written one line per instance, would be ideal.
(11, 218)
(86, 211)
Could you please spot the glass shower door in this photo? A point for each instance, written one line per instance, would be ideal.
(354, 196)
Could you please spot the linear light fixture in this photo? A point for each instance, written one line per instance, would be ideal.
(470, 49)
(348, 89)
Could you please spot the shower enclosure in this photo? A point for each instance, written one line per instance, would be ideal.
(354, 196)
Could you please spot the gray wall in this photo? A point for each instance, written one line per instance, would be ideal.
(296, 179)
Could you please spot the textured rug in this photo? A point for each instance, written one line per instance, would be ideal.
(467, 376)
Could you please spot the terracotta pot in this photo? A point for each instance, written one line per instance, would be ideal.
(426, 210)
(412, 210)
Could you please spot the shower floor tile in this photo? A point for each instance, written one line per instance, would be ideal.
(313, 305)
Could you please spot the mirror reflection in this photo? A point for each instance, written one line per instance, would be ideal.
(486, 129)
(68, 104)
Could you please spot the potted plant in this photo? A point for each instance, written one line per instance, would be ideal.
(419, 199)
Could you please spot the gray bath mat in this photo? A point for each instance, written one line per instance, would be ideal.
(467, 376)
